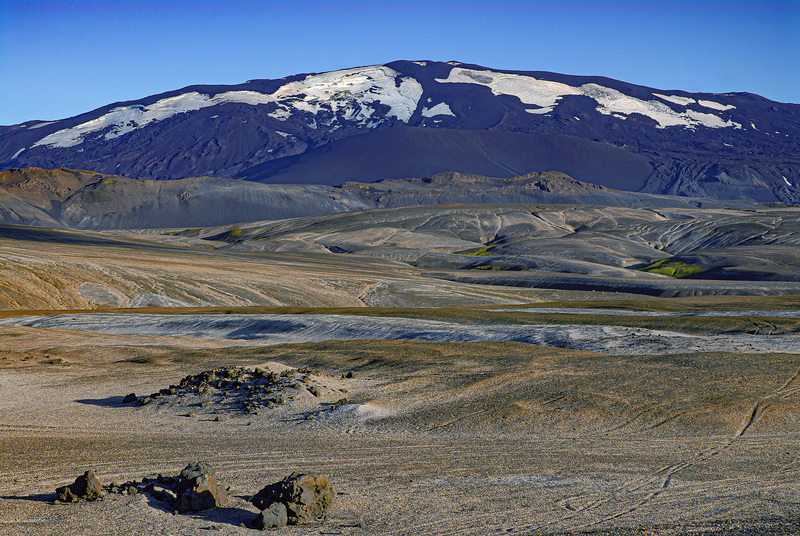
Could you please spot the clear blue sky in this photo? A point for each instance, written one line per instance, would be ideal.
(61, 58)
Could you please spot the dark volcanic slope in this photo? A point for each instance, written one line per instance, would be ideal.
(82, 200)
(476, 120)
(400, 153)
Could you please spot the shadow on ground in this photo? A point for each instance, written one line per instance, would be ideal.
(36, 497)
(109, 402)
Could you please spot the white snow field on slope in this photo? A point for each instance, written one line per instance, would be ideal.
(546, 94)
(350, 91)
(440, 109)
(352, 94)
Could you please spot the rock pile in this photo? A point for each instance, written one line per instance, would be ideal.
(85, 488)
(245, 390)
(193, 490)
(297, 499)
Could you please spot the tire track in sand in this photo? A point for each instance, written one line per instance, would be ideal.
(659, 481)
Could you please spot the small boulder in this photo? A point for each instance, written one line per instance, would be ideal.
(130, 399)
(273, 517)
(85, 488)
(306, 497)
(198, 490)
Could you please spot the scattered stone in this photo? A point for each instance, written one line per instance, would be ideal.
(274, 516)
(340, 402)
(198, 489)
(193, 490)
(85, 488)
(305, 496)
(129, 399)
(145, 400)
(349, 374)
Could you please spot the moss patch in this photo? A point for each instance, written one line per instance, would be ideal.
(482, 252)
(676, 269)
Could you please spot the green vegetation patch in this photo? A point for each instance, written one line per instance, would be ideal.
(192, 231)
(676, 269)
(107, 181)
(482, 252)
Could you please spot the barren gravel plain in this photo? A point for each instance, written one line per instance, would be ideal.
(472, 408)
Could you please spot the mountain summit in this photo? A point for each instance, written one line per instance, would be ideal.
(411, 119)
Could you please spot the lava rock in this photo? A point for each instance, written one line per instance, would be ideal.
(273, 516)
(306, 497)
(129, 399)
(198, 490)
(85, 488)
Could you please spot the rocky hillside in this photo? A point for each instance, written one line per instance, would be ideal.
(85, 200)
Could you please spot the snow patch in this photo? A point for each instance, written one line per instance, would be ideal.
(675, 99)
(16, 154)
(546, 94)
(787, 182)
(352, 94)
(529, 90)
(612, 101)
(440, 109)
(715, 105)
(40, 125)
(125, 119)
(540, 111)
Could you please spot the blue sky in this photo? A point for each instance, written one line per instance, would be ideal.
(59, 59)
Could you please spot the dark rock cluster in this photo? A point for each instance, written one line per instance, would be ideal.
(85, 488)
(240, 389)
(297, 499)
(193, 490)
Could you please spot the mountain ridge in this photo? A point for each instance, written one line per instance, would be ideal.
(723, 146)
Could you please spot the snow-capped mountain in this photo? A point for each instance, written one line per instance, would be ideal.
(413, 119)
